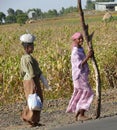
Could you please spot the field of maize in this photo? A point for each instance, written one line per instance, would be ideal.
(52, 50)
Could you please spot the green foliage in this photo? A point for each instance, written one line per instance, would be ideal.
(21, 18)
(2, 17)
(10, 19)
(90, 5)
(18, 16)
(18, 12)
(11, 12)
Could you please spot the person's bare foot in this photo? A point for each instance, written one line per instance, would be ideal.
(83, 118)
(76, 116)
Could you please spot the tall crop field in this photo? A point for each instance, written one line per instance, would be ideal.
(52, 50)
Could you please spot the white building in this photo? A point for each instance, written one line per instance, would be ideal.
(102, 6)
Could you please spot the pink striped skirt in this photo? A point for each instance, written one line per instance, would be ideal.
(81, 98)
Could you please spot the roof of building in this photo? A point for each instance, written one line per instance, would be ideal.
(106, 3)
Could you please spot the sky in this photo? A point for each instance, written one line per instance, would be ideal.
(44, 5)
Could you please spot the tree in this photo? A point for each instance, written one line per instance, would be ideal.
(34, 13)
(52, 13)
(62, 10)
(2, 17)
(55, 13)
(17, 12)
(67, 10)
(10, 19)
(90, 4)
(22, 18)
(38, 13)
(11, 11)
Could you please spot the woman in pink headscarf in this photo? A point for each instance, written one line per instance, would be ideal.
(83, 95)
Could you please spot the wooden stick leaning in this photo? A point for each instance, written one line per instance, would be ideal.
(88, 39)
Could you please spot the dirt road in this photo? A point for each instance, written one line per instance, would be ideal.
(53, 114)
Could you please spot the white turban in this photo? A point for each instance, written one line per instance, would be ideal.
(27, 38)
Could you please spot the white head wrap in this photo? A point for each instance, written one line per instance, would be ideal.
(27, 38)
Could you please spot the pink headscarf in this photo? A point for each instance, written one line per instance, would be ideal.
(76, 35)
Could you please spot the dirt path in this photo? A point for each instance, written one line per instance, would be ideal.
(53, 114)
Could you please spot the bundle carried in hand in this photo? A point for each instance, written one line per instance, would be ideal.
(34, 102)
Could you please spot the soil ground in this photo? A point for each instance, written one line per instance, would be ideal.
(53, 114)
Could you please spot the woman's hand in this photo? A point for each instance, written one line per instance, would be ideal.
(90, 53)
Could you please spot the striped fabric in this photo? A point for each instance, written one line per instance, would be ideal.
(81, 99)
(83, 95)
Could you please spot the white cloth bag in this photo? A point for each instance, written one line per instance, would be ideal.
(34, 102)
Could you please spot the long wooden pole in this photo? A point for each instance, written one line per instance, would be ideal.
(88, 39)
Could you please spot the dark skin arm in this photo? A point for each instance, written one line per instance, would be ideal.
(89, 55)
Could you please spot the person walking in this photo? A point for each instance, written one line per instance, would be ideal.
(32, 74)
(82, 95)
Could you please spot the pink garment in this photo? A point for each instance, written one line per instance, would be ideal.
(76, 35)
(83, 95)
